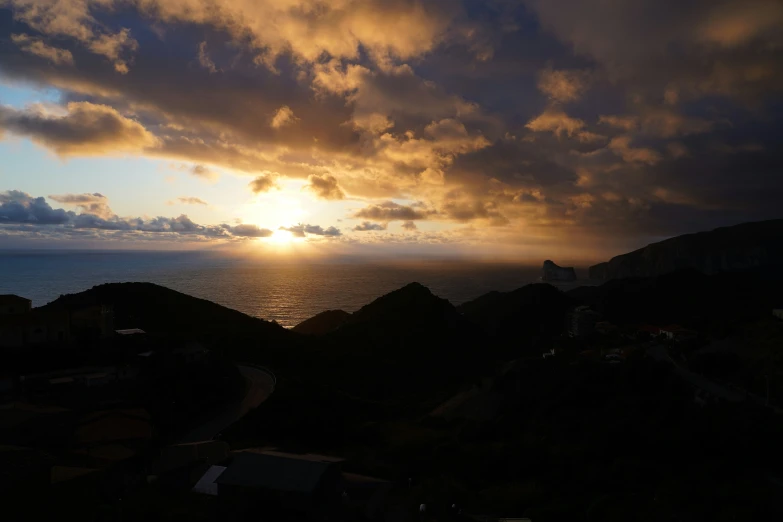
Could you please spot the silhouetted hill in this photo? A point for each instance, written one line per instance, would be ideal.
(685, 296)
(408, 343)
(412, 304)
(741, 247)
(157, 309)
(322, 323)
(531, 310)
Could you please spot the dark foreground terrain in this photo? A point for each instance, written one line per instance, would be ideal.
(661, 402)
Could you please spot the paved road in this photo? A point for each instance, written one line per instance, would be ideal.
(659, 353)
(261, 384)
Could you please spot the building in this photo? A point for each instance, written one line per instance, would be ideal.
(11, 304)
(778, 312)
(676, 332)
(648, 330)
(281, 482)
(179, 455)
(92, 322)
(605, 327)
(21, 325)
(130, 331)
(366, 494)
(104, 437)
(582, 321)
(88, 376)
(37, 326)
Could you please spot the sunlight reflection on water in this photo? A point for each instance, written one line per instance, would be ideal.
(285, 292)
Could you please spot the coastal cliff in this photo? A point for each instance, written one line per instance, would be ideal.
(551, 272)
(740, 247)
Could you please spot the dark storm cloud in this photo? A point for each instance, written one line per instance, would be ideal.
(19, 207)
(85, 128)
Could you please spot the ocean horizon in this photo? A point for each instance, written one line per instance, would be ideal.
(287, 292)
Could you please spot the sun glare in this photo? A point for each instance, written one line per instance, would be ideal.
(282, 237)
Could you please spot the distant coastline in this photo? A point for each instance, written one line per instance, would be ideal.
(283, 292)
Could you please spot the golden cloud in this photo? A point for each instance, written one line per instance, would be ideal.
(284, 116)
(263, 183)
(324, 186)
(562, 86)
(38, 47)
(85, 129)
(555, 121)
(621, 146)
(95, 203)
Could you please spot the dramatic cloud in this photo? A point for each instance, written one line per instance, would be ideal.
(621, 146)
(284, 116)
(301, 230)
(85, 128)
(204, 59)
(509, 123)
(368, 226)
(249, 231)
(94, 203)
(263, 183)
(19, 207)
(324, 186)
(557, 122)
(203, 172)
(38, 47)
(391, 211)
(562, 86)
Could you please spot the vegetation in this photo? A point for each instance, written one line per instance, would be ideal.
(565, 438)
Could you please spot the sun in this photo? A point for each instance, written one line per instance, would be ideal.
(282, 237)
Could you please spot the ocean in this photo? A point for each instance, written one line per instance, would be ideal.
(286, 292)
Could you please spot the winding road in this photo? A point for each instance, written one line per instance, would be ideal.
(659, 353)
(261, 384)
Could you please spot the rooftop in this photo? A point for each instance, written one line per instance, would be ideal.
(276, 470)
(9, 298)
(130, 331)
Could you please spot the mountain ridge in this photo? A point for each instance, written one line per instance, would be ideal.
(740, 247)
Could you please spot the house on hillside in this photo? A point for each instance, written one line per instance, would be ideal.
(278, 482)
(209, 452)
(582, 321)
(648, 330)
(676, 332)
(105, 437)
(11, 304)
(92, 322)
(605, 327)
(34, 327)
(130, 331)
(21, 325)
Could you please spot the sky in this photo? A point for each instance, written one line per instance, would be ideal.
(493, 129)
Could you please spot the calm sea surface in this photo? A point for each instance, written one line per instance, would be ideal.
(285, 292)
